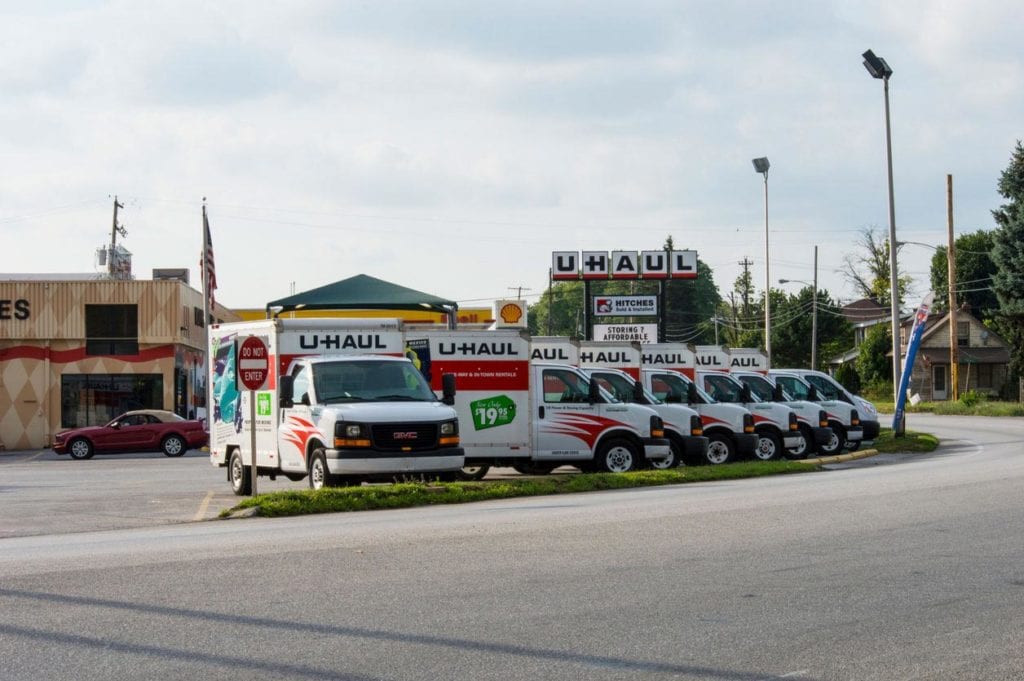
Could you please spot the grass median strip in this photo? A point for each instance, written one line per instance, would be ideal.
(912, 442)
(406, 495)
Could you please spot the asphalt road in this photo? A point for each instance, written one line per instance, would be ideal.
(880, 569)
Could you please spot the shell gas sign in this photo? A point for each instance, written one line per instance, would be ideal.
(510, 314)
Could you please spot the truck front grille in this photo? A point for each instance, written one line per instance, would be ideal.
(399, 437)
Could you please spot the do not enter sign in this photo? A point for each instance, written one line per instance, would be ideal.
(253, 363)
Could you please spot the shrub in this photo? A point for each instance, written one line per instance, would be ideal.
(971, 398)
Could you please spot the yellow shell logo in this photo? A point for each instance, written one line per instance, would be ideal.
(511, 313)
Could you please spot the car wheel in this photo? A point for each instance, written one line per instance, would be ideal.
(769, 447)
(472, 472)
(673, 459)
(239, 475)
(836, 442)
(804, 448)
(173, 445)
(720, 449)
(617, 456)
(80, 448)
(319, 475)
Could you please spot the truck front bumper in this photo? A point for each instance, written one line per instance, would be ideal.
(695, 447)
(855, 434)
(746, 443)
(822, 435)
(362, 462)
(657, 448)
(791, 439)
(871, 429)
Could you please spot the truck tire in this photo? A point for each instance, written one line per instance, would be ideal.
(319, 474)
(173, 445)
(836, 443)
(674, 458)
(769, 447)
(239, 475)
(80, 448)
(617, 456)
(720, 449)
(472, 472)
(806, 445)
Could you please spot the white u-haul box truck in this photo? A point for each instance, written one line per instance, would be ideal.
(534, 416)
(343, 402)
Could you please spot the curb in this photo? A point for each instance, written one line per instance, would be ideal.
(841, 457)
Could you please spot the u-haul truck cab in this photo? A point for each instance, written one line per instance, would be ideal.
(616, 365)
(534, 416)
(343, 402)
(667, 371)
(776, 425)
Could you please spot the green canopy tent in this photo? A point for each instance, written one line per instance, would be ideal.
(363, 292)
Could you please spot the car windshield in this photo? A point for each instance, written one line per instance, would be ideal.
(370, 380)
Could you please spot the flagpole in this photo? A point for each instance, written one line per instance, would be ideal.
(208, 382)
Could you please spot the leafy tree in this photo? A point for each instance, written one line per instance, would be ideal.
(974, 271)
(847, 375)
(869, 270)
(559, 311)
(1008, 256)
(792, 324)
(872, 364)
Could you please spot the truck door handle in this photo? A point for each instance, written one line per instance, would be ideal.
(540, 412)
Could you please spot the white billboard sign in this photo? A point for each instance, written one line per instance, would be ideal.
(634, 333)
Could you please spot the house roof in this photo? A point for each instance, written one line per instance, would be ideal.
(362, 292)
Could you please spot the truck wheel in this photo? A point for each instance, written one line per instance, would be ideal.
(720, 449)
(472, 472)
(173, 445)
(239, 475)
(769, 447)
(852, 445)
(674, 458)
(836, 442)
(804, 448)
(80, 448)
(617, 456)
(319, 475)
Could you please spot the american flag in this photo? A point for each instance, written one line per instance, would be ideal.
(209, 272)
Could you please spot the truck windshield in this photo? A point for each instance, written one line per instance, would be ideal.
(673, 385)
(760, 387)
(621, 387)
(795, 387)
(370, 380)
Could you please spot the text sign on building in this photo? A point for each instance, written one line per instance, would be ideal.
(634, 333)
(253, 363)
(625, 306)
(597, 265)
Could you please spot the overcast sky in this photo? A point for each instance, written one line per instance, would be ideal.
(452, 146)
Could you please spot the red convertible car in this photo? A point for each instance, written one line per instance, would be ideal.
(145, 430)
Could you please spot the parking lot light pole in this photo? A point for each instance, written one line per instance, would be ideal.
(878, 68)
(761, 165)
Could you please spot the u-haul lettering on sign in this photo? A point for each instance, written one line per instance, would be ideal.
(341, 341)
(477, 349)
(604, 358)
(550, 354)
(667, 358)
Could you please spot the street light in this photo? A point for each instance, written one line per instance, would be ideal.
(878, 68)
(762, 165)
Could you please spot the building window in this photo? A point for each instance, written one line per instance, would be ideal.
(111, 330)
(198, 316)
(96, 399)
(984, 373)
(963, 334)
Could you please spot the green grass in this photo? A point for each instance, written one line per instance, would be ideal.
(958, 408)
(409, 494)
(405, 495)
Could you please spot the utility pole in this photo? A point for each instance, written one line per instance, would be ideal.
(113, 238)
(519, 291)
(746, 263)
(814, 317)
(954, 349)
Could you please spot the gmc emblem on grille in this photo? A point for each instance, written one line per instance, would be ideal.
(409, 435)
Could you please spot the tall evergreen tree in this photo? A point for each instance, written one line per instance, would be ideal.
(1008, 256)
(974, 271)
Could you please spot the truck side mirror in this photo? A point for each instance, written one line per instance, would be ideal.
(285, 391)
(745, 393)
(593, 391)
(638, 393)
(812, 394)
(777, 395)
(691, 393)
(448, 389)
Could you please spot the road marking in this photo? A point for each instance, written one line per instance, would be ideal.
(201, 513)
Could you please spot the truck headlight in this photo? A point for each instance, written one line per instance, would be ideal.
(449, 433)
(351, 435)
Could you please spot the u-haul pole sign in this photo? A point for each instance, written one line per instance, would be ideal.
(598, 265)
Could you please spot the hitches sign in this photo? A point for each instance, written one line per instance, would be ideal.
(625, 306)
(597, 265)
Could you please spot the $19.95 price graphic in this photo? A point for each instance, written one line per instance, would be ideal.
(492, 412)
